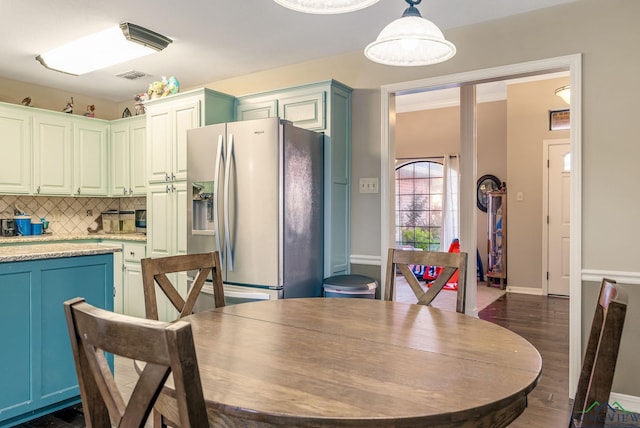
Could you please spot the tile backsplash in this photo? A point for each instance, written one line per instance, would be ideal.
(67, 215)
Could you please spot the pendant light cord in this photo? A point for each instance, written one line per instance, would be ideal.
(411, 10)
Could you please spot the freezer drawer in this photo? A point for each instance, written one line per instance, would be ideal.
(233, 295)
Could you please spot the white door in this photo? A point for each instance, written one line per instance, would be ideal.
(558, 214)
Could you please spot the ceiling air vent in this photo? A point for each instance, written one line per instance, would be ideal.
(131, 75)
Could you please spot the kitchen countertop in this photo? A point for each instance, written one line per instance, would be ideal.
(17, 253)
(50, 237)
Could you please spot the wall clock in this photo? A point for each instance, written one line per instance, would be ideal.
(486, 183)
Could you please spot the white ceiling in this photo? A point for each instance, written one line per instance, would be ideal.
(213, 39)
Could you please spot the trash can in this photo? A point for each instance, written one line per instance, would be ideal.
(350, 286)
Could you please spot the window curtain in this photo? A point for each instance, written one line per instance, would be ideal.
(450, 201)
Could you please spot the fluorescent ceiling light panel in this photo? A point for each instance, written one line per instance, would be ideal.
(106, 48)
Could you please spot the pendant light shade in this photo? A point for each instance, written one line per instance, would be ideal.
(410, 41)
(325, 6)
(564, 93)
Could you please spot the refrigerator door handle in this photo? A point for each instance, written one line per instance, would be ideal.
(227, 180)
(216, 220)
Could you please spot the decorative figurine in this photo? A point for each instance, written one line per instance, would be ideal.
(69, 107)
(26, 102)
(90, 111)
(173, 85)
(156, 90)
(126, 112)
(140, 99)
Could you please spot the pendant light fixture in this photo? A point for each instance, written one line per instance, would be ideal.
(325, 6)
(410, 41)
(564, 93)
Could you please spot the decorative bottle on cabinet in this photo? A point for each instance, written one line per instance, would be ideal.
(497, 251)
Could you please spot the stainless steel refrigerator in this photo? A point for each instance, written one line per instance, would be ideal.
(257, 197)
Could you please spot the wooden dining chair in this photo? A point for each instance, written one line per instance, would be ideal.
(154, 271)
(166, 348)
(450, 262)
(598, 366)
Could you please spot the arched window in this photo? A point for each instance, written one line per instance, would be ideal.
(419, 195)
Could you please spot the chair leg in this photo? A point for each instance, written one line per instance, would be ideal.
(158, 420)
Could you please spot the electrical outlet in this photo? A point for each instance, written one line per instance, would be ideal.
(369, 185)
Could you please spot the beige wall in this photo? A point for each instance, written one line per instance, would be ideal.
(527, 127)
(436, 132)
(13, 91)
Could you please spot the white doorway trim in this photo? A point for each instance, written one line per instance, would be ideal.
(572, 63)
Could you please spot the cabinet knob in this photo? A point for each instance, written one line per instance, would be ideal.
(173, 177)
(166, 176)
(124, 191)
(168, 190)
(78, 190)
(38, 190)
(130, 191)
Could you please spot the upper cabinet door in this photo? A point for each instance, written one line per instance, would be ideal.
(186, 115)
(128, 157)
(15, 144)
(90, 163)
(137, 158)
(257, 110)
(159, 138)
(305, 111)
(119, 159)
(52, 155)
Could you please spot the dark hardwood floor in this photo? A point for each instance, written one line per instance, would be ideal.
(543, 321)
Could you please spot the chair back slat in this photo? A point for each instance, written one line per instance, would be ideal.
(166, 348)
(154, 271)
(601, 354)
(400, 260)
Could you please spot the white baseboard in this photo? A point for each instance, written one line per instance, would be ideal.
(525, 290)
(630, 403)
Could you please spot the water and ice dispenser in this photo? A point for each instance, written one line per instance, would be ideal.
(203, 208)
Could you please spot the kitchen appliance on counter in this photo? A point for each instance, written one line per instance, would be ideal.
(114, 221)
(257, 197)
(141, 221)
(7, 227)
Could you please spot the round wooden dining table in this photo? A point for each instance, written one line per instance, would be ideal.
(329, 362)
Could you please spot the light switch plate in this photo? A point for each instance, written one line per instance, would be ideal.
(369, 185)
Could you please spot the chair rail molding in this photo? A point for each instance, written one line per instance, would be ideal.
(621, 277)
(362, 259)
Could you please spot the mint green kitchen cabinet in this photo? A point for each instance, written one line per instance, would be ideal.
(128, 142)
(168, 120)
(15, 145)
(38, 372)
(69, 155)
(52, 154)
(90, 165)
(167, 230)
(133, 293)
(323, 107)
